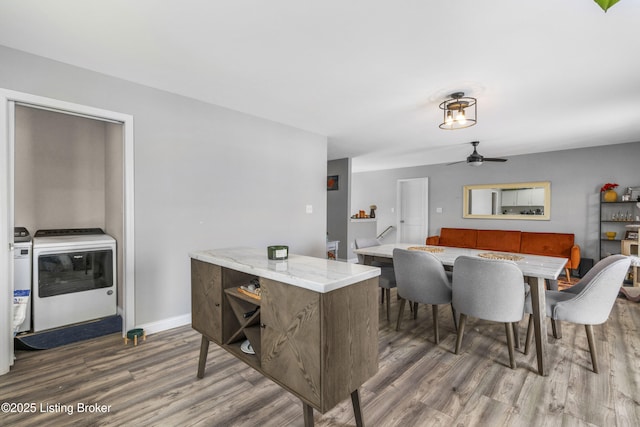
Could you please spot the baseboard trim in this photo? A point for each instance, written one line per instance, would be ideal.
(166, 324)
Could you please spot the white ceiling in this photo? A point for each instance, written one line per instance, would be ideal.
(369, 74)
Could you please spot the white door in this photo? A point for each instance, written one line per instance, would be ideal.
(6, 237)
(412, 210)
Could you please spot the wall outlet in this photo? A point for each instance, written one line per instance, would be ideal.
(438, 210)
(309, 209)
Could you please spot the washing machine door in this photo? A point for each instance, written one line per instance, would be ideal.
(67, 273)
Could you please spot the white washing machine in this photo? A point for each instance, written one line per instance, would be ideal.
(74, 277)
(22, 247)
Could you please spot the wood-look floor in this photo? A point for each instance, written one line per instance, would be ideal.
(418, 384)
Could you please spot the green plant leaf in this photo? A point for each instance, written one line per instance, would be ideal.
(606, 4)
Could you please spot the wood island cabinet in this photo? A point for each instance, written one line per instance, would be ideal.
(320, 346)
(206, 313)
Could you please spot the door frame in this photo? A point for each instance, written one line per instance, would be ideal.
(425, 206)
(8, 99)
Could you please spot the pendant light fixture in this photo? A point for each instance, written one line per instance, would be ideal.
(459, 111)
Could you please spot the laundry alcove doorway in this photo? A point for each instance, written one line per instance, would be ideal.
(90, 183)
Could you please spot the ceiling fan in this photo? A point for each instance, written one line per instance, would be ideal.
(475, 159)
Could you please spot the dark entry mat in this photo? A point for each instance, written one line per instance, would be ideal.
(62, 336)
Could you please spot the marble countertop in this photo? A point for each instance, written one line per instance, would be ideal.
(317, 274)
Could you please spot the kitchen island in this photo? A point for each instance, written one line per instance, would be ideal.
(313, 329)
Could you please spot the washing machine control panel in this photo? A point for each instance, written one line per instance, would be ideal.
(21, 234)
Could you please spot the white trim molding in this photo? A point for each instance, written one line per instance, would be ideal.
(166, 324)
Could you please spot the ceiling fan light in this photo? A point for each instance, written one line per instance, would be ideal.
(475, 159)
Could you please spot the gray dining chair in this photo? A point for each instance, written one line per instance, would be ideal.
(421, 278)
(387, 279)
(488, 289)
(588, 302)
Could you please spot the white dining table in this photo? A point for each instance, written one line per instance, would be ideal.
(535, 268)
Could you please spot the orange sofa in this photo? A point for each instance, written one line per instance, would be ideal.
(549, 244)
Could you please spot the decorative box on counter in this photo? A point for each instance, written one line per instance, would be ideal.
(278, 252)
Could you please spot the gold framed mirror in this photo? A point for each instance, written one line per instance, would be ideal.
(521, 200)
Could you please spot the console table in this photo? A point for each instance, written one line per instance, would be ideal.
(314, 329)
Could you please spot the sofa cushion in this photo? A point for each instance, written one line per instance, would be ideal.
(499, 240)
(549, 244)
(458, 237)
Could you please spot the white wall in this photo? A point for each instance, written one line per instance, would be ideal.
(205, 176)
(576, 177)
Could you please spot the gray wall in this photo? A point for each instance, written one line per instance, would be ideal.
(114, 195)
(60, 171)
(576, 177)
(339, 204)
(205, 176)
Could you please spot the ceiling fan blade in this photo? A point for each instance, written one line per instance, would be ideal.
(475, 159)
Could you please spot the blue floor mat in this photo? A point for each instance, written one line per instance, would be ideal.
(62, 336)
